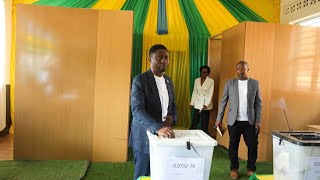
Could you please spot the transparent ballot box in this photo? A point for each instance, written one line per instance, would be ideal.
(187, 156)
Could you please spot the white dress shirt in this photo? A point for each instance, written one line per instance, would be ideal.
(243, 101)
(163, 94)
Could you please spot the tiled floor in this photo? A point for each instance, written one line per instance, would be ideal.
(6, 147)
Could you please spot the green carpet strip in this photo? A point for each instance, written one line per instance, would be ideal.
(46, 170)
(140, 8)
(219, 168)
(53, 170)
(101, 170)
(240, 11)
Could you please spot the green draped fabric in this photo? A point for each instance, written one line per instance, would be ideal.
(240, 11)
(140, 8)
(68, 3)
(198, 38)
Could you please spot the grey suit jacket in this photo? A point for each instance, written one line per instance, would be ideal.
(146, 109)
(231, 94)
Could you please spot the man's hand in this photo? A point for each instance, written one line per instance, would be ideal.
(168, 121)
(258, 127)
(204, 107)
(166, 132)
(217, 124)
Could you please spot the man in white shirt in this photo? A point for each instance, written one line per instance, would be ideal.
(153, 108)
(244, 117)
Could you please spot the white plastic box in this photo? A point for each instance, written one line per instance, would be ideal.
(296, 155)
(170, 158)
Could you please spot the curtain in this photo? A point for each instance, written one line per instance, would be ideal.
(176, 41)
(198, 38)
(140, 7)
(264, 8)
(67, 3)
(109, 4)
(216, 17)
(162, 27)
(241, 12)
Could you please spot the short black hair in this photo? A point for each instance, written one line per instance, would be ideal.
(205, 67)
(156, 47)
(243, 63)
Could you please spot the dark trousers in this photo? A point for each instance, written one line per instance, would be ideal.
(251, 140)
(204, 115)
(141, 164)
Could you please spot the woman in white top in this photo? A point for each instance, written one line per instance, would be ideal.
(201, 100)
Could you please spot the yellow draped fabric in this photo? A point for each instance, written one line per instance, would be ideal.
(13, 57)
(265, 8)
(177, 42)
(216, 17)
(23, 1)
(276, 11)
(109, 4)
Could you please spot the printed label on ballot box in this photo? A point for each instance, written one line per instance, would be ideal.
(313, 168)
(185, 168)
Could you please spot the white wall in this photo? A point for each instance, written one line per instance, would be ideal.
(5, 51)
(292, 11)
(8, 13)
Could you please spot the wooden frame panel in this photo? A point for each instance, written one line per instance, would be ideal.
(55, 65)
(73, 70)
(112, 89)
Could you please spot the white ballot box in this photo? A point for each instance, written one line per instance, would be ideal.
(186, 157)
(296, 155)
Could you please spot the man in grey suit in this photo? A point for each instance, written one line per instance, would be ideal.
(153, 108)
(244, 117)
